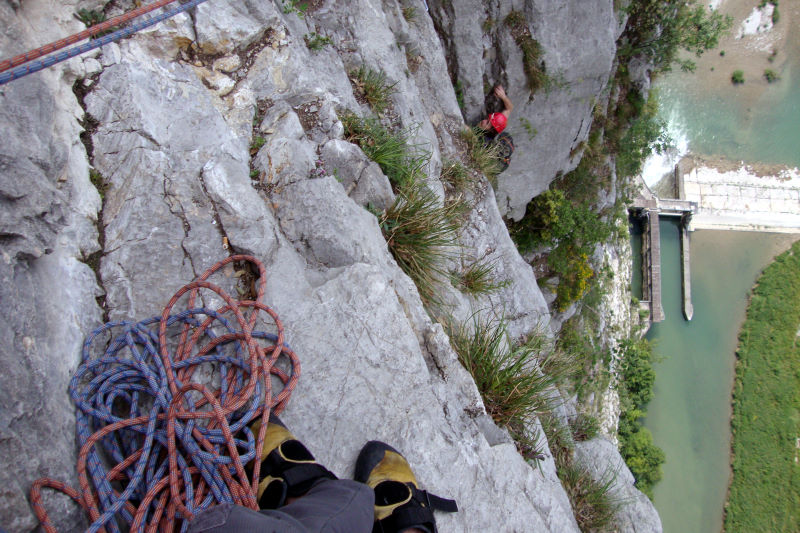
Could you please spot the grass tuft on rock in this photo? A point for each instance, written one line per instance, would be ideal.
(483, 157)
(456, 175)
(402, 161)
(422, 234)
(593, 502)
(374, 86)
(512, 379)
(584, 427)
(530, 48)
(478, 278)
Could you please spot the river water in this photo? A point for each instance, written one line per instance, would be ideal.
(690, 413)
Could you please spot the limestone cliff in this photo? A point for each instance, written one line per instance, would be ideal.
(165, 120)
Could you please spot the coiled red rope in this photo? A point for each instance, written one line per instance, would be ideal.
(171, 399)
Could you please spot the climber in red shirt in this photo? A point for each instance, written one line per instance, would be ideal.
(496, 122)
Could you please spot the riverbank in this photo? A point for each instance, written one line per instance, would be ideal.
(764, 491)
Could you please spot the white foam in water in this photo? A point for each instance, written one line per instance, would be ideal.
(657, 165)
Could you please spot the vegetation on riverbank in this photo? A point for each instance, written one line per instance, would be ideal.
(765, 489)
(637, 378)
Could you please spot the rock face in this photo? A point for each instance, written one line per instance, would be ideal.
(171, 138)
(578, 40)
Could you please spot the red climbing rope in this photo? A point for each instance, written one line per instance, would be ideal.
(180, 445)
(85, 34)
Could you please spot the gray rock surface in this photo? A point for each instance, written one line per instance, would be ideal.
(47, 206)
(171, 141)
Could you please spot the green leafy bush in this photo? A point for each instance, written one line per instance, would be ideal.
(637, 378)
(647, 134)
(737, 77)
(574, 272)
(771, 75)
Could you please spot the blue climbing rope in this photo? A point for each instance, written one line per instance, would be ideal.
(63, 55)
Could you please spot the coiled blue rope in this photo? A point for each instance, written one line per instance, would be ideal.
(129, 380)
(163, 407)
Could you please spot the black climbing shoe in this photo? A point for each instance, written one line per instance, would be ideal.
(399, 502)
(287, 468)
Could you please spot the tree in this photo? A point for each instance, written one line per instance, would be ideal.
(658, 29)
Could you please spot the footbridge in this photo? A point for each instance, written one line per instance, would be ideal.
(648, 207)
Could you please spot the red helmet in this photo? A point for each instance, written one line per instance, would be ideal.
(498, 121)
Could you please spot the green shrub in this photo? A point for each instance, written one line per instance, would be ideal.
(552, 218)
(409, 13)
(646, 135)
(90, 17)
(636, 370)
(637, 378)
(299, 7)
(458, 87)
(257, 144)
(402, 162)
(374, 86)
(771, 76)
(776, 15)
(658, 29)
(422, 235)
(574, 272)
(737, 77)
(93, 17)
(99, 183)
(644, 459)
(483, 156)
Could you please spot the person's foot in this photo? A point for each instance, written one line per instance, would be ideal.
(399, 502)
(288, 469)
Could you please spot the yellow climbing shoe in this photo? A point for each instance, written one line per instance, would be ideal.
(399, 502)
(288, 469)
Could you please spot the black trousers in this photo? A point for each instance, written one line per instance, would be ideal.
(331, 506)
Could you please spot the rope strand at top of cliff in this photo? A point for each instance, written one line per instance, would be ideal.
(30, 64)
